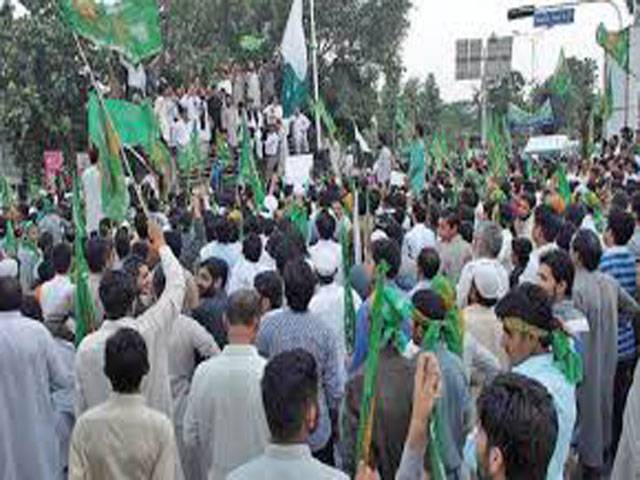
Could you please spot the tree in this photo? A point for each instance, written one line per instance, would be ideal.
(431, 105)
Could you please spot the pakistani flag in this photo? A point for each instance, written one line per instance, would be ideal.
(128, 26)
(607, 98)
(616, 44)
(294, 53)
(561, 83)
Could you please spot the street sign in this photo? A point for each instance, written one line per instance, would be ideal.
(468, 59)
(548, 17)
(499, 55)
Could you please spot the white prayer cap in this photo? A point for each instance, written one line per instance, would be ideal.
(488, 280)
(378, 235)
(8, 268)
(298, 190)
(325, 262)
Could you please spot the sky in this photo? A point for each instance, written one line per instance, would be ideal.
(435, 26)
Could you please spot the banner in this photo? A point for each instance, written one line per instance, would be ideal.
(520, 119)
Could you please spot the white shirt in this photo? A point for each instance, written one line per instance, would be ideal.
(505, 251)
(530, 274)
(243, 274)
(300, 125)
(286, 462)
(271, 144)
(92, 187)
(92, 385)
(225, 421)
(416, 239)
(57, 297)
(179, 133)
(328, 305)
(123, 438)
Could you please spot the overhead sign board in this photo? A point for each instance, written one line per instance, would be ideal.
(468, 59)
(548, 17)
(499, 55)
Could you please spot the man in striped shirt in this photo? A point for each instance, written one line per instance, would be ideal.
(619, 262)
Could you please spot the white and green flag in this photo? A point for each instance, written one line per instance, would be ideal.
(294, 53)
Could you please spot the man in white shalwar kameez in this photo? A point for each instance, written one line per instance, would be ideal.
(155, 324)
(92, 186)
(31, 370)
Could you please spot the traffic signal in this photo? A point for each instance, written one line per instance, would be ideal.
(521, 12)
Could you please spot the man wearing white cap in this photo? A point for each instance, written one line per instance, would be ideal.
(328, 301)
(327, 246)
(487, 242)
(480, 318)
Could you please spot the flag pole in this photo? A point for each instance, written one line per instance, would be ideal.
(314, 61)
(94, 82)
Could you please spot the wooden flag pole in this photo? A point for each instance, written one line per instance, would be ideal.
(94, 82)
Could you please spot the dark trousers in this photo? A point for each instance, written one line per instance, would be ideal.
(325, 454)
(622, 383)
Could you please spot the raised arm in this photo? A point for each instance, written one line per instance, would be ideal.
(160, 315)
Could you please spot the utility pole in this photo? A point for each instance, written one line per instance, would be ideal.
(314, 62)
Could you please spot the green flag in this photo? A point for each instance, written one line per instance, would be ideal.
(10, 243)
(190, 156)
(85, 312)
(497, 150)
(607, 98)
(561, 83)
(248, 171)
(298, 216)
(294, 56)
(564, 190)
(616, 44)
(222, 150)
(367, 404)
(128, 26)
(349, 309)
(115, 196)
(320, 109)
(417, 166)
(136, 125)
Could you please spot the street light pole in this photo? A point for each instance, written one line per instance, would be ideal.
(314, 61)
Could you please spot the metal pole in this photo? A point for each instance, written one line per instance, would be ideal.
(484, 94)
(314, 61)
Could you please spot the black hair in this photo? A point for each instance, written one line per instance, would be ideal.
(140, 249)
(522, 248)
(565, 235)
(429, 262)
(122, 242)
(326, 225)
(243, 307)
(635, 205)
(61, 257)
(575, 213)
(531, 304)
(388, 251)
(159, 281)
(269, 285)
(98, 250)
(450, 216)
(104, 227)
(518, 416)
(429, 304)
(30, 308)
(125, 360)
(587, 245)
(419, 212)
(621, 224)
(465, 229)
(548, 222)
(299, 284)
(45, 242)
(117, 291)
(289, 388)
(10, 294)
(218, 269)
(252, 247)
(620, 200)
(141, 224)
(174, 241)
(561, 266)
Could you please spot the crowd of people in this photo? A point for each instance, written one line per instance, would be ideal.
(506, 312)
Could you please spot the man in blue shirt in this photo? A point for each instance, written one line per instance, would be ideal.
(618, 261)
